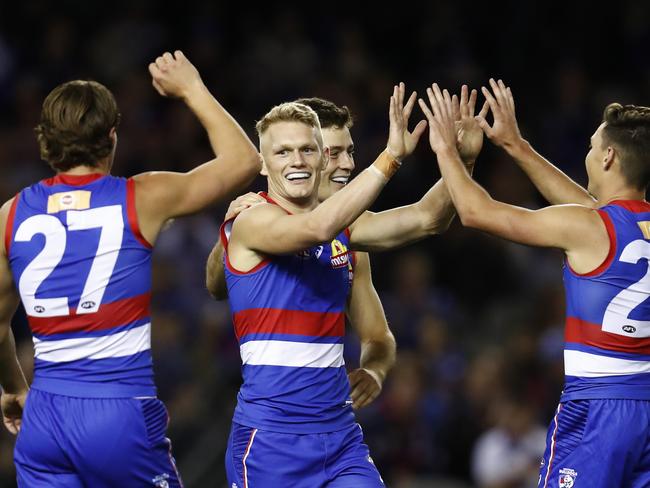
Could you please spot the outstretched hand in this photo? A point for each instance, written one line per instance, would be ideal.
(504, 131)
(469, 136)
(174, 75)
(401, 142)
(442, 127)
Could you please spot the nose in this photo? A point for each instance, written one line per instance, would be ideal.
(298, 159)
(346, 161)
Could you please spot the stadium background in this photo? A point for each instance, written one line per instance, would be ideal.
(478, 321)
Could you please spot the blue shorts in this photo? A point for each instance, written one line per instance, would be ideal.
(100, 442)
(598, 444)
(259, 459)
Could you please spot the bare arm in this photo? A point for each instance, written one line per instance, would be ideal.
(366, 316)
(434, 212)
(553, 183)
(164, 195)
(215, 278)
(12, 379)
(563, 226)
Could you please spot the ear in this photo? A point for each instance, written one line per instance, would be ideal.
(326, 157)
(263, 171)
(608, 160)
(113, 135)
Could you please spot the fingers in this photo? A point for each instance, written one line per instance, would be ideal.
(510, 98)
(456, 110)
(419, 130)
(400, 95)
(12, 425)
(365, 391)
(471, 104)
(406, 113)
(426, 111)
(391, 106)
(464, 109)
(484, 110)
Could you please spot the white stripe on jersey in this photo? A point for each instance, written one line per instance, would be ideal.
(578, 363)
(293, 354)
(121, 344)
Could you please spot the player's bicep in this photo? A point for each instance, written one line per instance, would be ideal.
(267, 229)
(559, 226)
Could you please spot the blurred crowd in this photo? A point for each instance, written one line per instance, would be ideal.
(478, 321)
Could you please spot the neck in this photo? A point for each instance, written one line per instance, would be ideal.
(102, 167)
(295, 205)
(621, 194)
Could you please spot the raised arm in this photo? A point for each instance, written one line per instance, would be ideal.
(553, 183)
(563, 226)
(164, 195)
(267, 230)
(12, 380)
(378, 346)
(433, 213)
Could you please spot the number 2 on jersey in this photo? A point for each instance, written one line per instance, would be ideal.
(108, 219)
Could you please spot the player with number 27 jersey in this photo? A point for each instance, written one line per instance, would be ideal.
(83, 271)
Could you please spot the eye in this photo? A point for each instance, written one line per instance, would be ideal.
(334, 155)
(282, 152)
(351, 152)
(308, 150)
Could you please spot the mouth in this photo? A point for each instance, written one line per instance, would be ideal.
(298, 176)
(340, 179)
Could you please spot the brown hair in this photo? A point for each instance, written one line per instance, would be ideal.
(75, 126)
(288, 112)
(329, 114)
(627, 129)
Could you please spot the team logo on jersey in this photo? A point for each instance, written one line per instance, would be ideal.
(340, 255)
(69, 200)
(160, 481)
(567, 477)
(87, 305)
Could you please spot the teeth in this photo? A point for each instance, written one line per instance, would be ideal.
(298, 176)
(341, 179)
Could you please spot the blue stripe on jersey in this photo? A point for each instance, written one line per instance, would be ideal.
(307, 394)
(631, 387)
(119, 377)
(291, 338)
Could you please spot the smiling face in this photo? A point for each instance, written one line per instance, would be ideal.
(339, 169)
(294, 158)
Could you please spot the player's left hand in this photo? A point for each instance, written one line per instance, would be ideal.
(469, 138)
(401, 142)
(241, 203)
(442, 128)
(365, 385)
(12, 410)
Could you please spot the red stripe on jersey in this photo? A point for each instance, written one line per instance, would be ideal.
(9, 227)
(132, 214)
(611, 232)
(297, 322)
(636, 206)
(108, 316)
(72, 180)
(583, 332)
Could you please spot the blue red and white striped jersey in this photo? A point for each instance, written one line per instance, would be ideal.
(289, 317)
(83, 271)
(607, 333)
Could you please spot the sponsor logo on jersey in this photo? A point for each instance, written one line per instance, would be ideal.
(567, 478)
(69, 200)
(630, 329)
(340, 255)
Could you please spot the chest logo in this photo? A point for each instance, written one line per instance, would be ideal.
(340, 255)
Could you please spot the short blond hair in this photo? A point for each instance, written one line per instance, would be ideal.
(288, 112)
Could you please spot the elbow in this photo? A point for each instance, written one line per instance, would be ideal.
(323, 230)
(469, 216)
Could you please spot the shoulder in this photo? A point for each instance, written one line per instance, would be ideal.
(258, 214)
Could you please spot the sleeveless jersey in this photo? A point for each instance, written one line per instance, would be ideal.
(83, 271)
(289, 318)
(607, 333)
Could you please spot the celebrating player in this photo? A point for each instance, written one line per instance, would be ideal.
(78, 248)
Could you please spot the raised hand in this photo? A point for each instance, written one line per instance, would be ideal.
(401, 142)
(241, 203)
(442, 126)
(12, 410)
(174, 76)
(469, 140)
(504, 131)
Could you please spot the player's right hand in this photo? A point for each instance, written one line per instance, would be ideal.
(442, 126)
(241, 203)
(174, 76)
(504, 132)
(12, 410)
